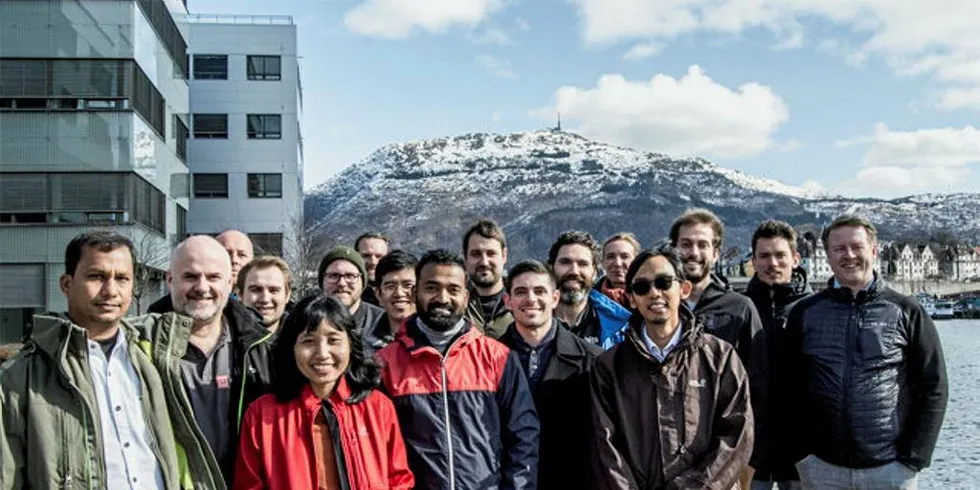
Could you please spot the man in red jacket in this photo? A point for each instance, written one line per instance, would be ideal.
(463, 403)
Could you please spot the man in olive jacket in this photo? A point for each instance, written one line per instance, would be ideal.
(82, 405)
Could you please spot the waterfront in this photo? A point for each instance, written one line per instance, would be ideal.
(956, 461)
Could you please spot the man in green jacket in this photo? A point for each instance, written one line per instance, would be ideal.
(82, 405)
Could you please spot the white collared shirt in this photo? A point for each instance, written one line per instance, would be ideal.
(657, 352)
(127, 444)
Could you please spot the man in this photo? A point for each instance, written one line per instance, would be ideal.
(396, 292)
(266, 286)
(778, 284)
(588, 313)
(485, 253)
(372, 246)
(698, 234)
(466, 413)
(82, 404)
(240, 252)
(864, 372)
(239, 249)
(557, 365)
(215, 357)
(618, 253)
(343, 275)
(670, 405)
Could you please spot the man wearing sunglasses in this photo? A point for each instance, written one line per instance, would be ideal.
(670, 404)
(698, 235)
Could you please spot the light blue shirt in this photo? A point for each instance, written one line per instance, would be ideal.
(129, 459)
(866, 287)
(657, 352)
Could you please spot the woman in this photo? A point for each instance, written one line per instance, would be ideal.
(325, 426)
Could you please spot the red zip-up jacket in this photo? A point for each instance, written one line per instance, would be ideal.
(277, 451)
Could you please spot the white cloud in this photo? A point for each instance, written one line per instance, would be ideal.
(491, 35)
(691, 115)
(496, 66)
(937, 40)
(642, 51)
(904, 162)
(396, 19)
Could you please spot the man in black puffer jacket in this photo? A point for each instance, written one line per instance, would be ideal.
(778, 284)
(865, 372)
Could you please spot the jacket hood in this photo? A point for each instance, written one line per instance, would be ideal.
(798, 286)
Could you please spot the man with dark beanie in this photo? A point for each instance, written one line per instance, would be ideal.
(342, 274)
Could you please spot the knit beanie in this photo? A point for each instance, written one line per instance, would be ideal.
(342, 253)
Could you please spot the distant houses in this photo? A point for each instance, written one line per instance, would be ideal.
(909, 262)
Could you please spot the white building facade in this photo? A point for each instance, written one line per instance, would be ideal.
(93, 110)
(245, 149)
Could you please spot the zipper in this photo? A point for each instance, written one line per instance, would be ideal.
(337, 443)
(846, 398)
(445, 406)
(241, 394)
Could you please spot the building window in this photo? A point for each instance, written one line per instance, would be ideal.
(265, 185)
(180, 135)
(211, 185)
(264, 67)
(210, 67)
(266, 243)
(211, 126)
(264, 126)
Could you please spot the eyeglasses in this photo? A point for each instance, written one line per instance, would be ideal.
(350, 277)
(642, 286)
(392, 287)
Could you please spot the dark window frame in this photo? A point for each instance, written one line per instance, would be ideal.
(210, 194)
(260, 187)
(262, 69)
(212, 72)
(261, 126)
(210, 133)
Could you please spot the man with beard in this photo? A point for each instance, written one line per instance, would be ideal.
(266, 286)
(396, 292)
(343, 275)
(557, 365)
(779, 283)
(670, 405)
(591, 315)
(698, 234)
(618, 253)
(372, 246)
(463, 403)
(864, 374)
(214, 358)
(485, 253)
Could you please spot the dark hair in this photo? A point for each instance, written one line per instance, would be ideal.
(396, 260)
(667, 252)
(849, 220)
(102, 240)
(574, 238)
(487, 229)
(439, 256)
(530, 267)
(365, 236)
(698, 216)
(363, 373)
(771, 228)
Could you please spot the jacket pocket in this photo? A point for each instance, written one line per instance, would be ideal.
(874, 340)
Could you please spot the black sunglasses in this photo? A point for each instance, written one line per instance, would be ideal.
(643, 286)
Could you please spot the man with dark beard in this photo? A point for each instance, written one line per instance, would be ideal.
(485, 254)
(591, 315)
(463, 402)
(697, 235)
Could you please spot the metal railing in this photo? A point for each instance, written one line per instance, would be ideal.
(240, 19)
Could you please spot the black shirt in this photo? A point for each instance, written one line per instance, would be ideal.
(490, 304)
(534, 360)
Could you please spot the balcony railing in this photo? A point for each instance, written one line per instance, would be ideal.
(240, 19)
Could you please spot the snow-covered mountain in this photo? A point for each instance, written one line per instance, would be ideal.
(539, 183)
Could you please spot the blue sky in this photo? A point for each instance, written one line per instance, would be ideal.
(856, 97)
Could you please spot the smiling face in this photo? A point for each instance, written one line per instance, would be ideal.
(200, 279)
(851, 254)
(575, 269)
(396, 293)
(659, 307)
(441, 295)
(532, 300)
(774, 260)
(485, 259)
(322, 356)
(696, 244)
(101, 289)
(372, 250)
(343, 281)
(266, 291)
(617, 256)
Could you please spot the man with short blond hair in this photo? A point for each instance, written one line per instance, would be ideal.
(266, 286)
(871, 350)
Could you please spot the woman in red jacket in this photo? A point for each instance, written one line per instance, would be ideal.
(325, 426)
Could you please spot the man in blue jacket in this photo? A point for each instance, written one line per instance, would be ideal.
(591, 315)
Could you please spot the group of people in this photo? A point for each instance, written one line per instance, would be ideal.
(609, 366)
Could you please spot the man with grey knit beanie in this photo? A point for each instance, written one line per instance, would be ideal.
(342, 274)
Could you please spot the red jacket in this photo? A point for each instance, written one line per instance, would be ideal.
(276, 450)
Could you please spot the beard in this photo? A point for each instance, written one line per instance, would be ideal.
(439, 320)
(485, 280)
(571, 295)
(696, 270)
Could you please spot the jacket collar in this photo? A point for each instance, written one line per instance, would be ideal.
(415, 342)
(56, 335)
(846, 295)
(798, 286)
(691, 331)
(312, 403)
